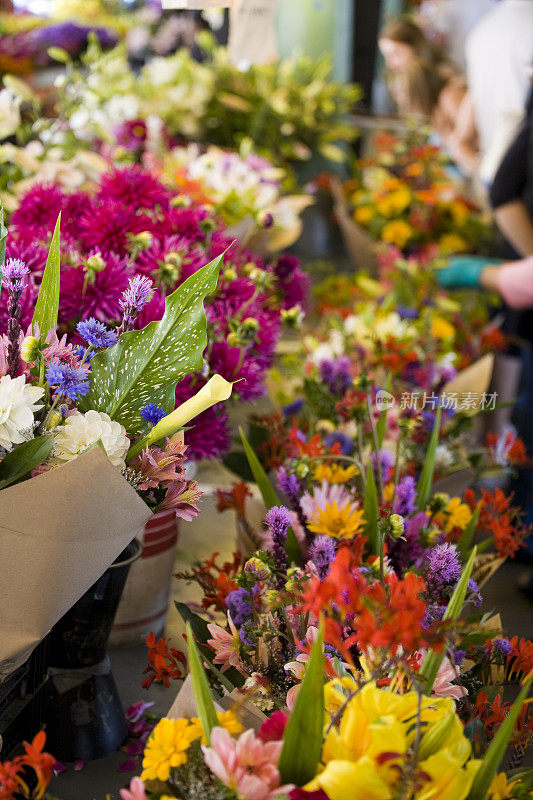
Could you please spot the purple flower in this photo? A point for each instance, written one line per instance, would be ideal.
(458, 656)
(386, 461)
(344, 441)
(134, 299)
(407, 552)
(503, 646)
(336, 374)
(442, 571)
(279, 520)
(152, 414)
(473, 588)
(404, 498)
(289, 484)
(69, 381)
(14, 275)
(434, 613)
(239, 605)
(322, 552)
(96, 333)
(293, 408)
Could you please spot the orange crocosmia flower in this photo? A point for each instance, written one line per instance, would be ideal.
(40, 762)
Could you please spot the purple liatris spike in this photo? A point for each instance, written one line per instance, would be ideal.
(442, 571)
(14, 280)
(134, 299)
(321, 553)
(279, 520)
(404, 497)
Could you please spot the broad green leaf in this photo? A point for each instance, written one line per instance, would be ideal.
(269, 496)
(426, 477)
(20, 461)
(230, 678)
(465, 540)
(145, 366)
(47, 306)
(371, 512)
(302, 741)
(495, 753)
(433, 660)
(202, 692)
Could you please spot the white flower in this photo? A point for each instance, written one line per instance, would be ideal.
(81, 431)
(17, 406)
(9, 113)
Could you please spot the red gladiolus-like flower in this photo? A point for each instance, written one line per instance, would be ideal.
(164, 664)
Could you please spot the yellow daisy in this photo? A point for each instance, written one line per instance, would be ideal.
(458, 515)
(334, 473)
(226, 719)
(397, 232)
(340, 523)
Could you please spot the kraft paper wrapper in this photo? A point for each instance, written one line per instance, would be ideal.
(359, 243)
(456, 483)
(475, 378)
(185, 706)
(59, 532)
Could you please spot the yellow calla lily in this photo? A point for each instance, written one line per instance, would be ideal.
(349, 780)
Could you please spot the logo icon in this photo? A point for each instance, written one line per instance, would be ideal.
(384, 400)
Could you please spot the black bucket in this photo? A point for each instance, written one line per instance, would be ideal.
(84, 715)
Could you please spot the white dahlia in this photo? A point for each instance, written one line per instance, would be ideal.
(17, 406)
(80, 431)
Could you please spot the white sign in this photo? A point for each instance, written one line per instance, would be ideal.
(252, 32)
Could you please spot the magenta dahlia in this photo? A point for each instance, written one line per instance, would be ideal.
(100, 298)
(171, 260)
(38, 211)
(108, 226)
(33, 254)
(134, 187)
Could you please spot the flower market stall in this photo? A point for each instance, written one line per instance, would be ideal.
(266, 512)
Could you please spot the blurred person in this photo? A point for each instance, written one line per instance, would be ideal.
(425, 84)
(499, 58)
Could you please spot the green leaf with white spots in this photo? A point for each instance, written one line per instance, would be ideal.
(145, 366)
(47, 306)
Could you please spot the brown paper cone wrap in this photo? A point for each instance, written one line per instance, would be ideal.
(59, 532)
(359, 243)
(185, 706)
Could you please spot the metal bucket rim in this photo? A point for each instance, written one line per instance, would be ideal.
(130, 560)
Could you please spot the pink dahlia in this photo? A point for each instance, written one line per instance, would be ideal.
(227, 362)
(246, 765)
(37, 214)
(107, 226)
(183, 221)
(134, 187)
(171, 260)
(33, 254)
(99, 298)
(74, 206)
(209, 435)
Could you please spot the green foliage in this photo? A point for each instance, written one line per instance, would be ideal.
(202, 692)
(371, 511)
(47, 306)
(145, 366)
(320, 400)
(426, 477)
(25, 457)
(302, 741)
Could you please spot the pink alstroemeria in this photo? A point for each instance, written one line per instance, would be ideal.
(135, 792)
(226, 646)
(247, 765)
(182, 496)
(161, 467)
(297, 667)
(444, 686)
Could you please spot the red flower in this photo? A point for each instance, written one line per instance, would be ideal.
(216, 582)
(235, 498)
(163, 664)
(273, 728)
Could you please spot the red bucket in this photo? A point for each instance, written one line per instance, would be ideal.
(146, 597)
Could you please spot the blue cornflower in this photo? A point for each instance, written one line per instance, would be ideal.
(293, 408)
(96, 333)
(70, 381)
(340, 438)
(152, 413)
(84, 354)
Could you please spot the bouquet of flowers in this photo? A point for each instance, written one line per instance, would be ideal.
(405, 197)
(93, 410)
(134, 227)
(330, 598)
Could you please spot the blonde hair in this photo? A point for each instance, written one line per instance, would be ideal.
(405, 32)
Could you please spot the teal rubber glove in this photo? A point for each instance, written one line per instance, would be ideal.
(464, 271)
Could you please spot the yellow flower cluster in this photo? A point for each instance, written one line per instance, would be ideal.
(364, 755)
(170, 740)
(334, 473)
